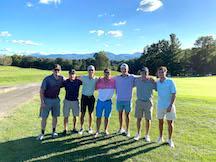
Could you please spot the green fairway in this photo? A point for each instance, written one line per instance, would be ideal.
(194, 134)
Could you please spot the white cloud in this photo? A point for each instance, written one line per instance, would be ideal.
(6, 50)
(50, 1)
(149, 5)
(5, 34)
(105, 15)
(106, 45)
(98, 32)
(25, 42)
(29, 4)
(115, 33)
(120, 23)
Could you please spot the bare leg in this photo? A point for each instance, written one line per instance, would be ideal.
(138, 125)
(148, 125)
(170, 128)
(43, 123)
(106, 122)
(161, 127)
(98, 124)
(120, 119)
(127, 120)
(74, 122)
(54, 122)
(90, 120)
(66, 123)
(82, 119)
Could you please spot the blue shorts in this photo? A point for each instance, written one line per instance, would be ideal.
(105, 106)
(123, 105)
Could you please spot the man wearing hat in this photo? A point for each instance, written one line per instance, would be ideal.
(49, 96)
(144, 103)
(71, 102)
(88, 99)
(124, 87)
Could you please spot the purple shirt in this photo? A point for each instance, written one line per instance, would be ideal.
(124, 87)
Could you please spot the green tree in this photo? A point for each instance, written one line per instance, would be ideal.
(101, 60)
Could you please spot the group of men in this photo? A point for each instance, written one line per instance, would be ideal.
(106, 86)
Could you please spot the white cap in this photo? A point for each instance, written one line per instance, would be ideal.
(91, 67)
(124, 66)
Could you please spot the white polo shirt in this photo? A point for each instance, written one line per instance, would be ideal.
(165, 90)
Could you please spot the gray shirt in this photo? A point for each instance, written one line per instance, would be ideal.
(144, 89)
(51, 86)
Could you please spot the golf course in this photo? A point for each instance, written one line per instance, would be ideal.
(194, 133)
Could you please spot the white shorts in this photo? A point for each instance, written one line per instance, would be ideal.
(163, 114)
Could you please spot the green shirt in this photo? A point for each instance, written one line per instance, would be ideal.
(88, 85)
(144, 89)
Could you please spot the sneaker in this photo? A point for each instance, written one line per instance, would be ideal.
(106, 133)
(147, 138)
(40, 137)
(64, 133)
(127, 133)
(96, 134)
(160, 140)
(54, 135)
(121, 131)
(90, 131)
(137, 137)
(74, 131)
(81, 131)
(171, 143)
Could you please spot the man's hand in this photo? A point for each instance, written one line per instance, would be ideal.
(43, 105)
(169, 108)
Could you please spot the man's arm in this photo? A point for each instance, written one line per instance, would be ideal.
(172, 102)
(42, 98)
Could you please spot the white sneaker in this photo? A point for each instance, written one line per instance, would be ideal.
(137, 137)
(106, 133)
(147, 138)
(54, 135)
(40, 137)
(171, 143)
(121, 131)
(160, 140)
(81, 131)
(96, 134)
(127, 133)
(90, 131)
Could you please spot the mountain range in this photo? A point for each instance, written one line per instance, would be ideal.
(111, 56)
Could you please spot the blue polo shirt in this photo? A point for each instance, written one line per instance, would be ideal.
(165, 90)
(72, 89)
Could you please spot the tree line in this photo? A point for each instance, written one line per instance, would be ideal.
(198, 60)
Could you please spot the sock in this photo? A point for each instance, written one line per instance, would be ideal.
(42, 131)
(54, 129)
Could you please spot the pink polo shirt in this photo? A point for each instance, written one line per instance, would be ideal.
(106, 88)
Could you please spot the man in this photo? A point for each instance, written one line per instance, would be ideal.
(124, 87)
(144, 103)
(106, 88)
(72, 85)
(88, 98)
(166, 107)
(49, 95)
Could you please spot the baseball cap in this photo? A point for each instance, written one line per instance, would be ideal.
(144, 69)
(91, 67)
(57, 66)
(72, 71)
(124, 65)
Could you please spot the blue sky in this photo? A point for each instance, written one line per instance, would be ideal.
(84, 26)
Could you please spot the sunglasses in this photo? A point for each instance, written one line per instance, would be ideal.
(90, 70)
(107, 72)
(56, 70)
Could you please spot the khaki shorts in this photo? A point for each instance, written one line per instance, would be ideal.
(162, 113)
(68, 105)
(144, 109)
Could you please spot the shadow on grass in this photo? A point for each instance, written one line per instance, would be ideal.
(81, 148)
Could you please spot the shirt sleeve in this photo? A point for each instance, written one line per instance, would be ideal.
(44, 84)
(172, 87)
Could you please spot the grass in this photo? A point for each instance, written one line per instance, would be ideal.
(194, 134)
(10, 75)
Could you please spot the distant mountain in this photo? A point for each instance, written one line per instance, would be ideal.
(111, 56)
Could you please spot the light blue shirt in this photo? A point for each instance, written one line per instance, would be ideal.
(88, 87)
(165, 90)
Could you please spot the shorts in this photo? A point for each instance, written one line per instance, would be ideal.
(123, 105)
(87, 101)
(71, 105)
(144, 109)
(104, 106)
(162, 113)
(52, 105)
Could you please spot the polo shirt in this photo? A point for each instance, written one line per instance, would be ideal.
(88, 85)
(72, 89)
(165, 90)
